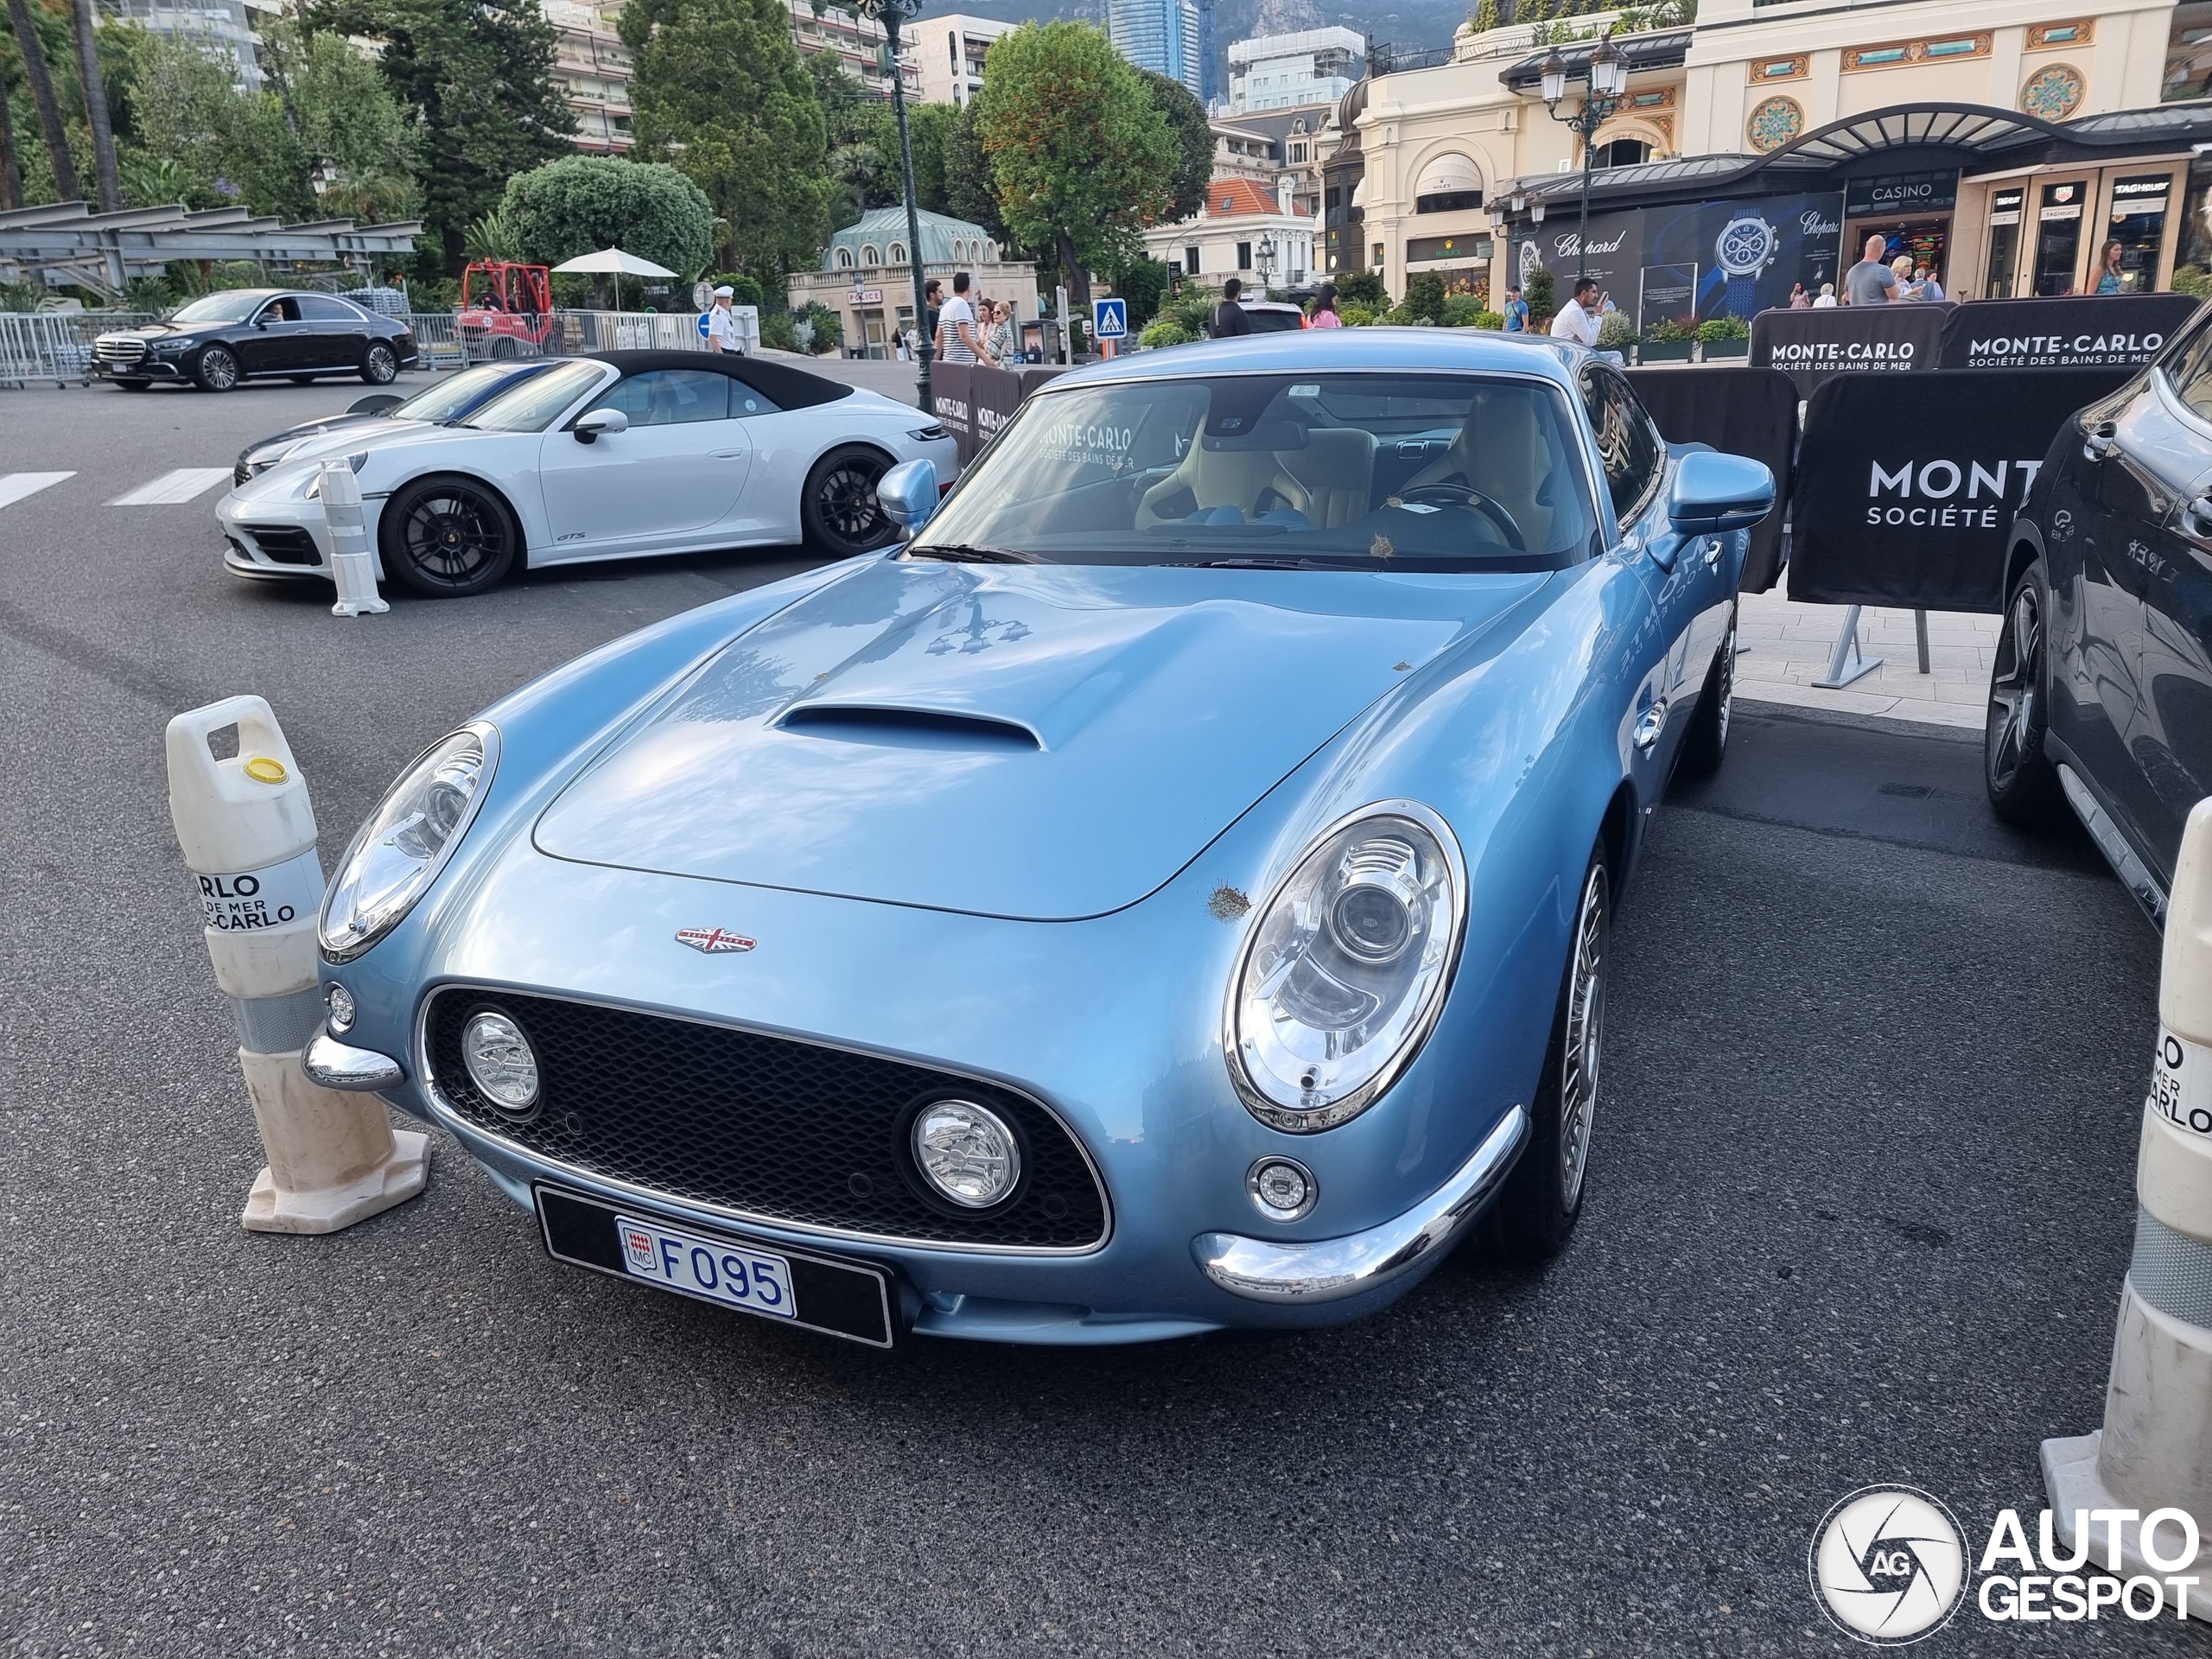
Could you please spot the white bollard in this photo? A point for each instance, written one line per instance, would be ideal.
(2154, 1452)
(248, 834)
(351, 566)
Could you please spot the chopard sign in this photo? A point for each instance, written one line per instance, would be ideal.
(1568, 245)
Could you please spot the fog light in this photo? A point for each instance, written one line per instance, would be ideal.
(967, 1152)
(499, 1061)
(1282, 1189)
(338, 1003)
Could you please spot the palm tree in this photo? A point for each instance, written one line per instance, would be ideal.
(96, 110)
(49, 111)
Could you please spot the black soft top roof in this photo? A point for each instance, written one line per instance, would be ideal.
(783, 386)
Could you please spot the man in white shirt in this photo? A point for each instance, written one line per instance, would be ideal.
(1827, 301)
(722, 324)
(956, 324)
(1577, 319)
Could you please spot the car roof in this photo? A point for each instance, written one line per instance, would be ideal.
(1470, 351)
(782, 385)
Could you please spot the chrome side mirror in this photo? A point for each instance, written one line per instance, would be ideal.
(907, 494)
(590, 426)
(1714, 494)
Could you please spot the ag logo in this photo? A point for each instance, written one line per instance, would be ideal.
(1888, 1565)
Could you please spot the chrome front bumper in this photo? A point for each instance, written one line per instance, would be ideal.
(334, 1064)
(1330, 1269)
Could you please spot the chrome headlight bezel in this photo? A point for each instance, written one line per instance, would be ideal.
(364, 925)
(1267, 1105)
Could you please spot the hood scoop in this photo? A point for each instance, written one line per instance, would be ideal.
(892, 727)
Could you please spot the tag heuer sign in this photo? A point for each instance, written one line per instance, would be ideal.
(864, 296)
(1901, 192)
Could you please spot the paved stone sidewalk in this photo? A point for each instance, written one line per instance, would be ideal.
(1790, 646)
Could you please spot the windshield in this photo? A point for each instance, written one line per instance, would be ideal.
(1433, 471)
(537, 402)
(236, 306)
(447, 400)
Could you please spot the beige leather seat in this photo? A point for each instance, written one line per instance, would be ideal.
(1500, 452)
(1331, 480)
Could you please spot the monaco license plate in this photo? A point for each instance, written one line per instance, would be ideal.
(844, 1299)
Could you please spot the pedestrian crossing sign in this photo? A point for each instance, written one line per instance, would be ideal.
(1109, 319)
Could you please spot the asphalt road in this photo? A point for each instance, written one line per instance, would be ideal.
(1861, 1204)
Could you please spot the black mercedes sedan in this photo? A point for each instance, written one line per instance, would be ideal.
(246, 334)
(2100, 693)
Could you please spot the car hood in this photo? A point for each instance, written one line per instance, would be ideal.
(306, 429)
(169, 330)
(1042, 742)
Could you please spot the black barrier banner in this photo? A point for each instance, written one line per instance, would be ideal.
(1744, 412)
(952, 400)
(1906, 500)
(1813, 346)
(994, 394)
(2092, 331)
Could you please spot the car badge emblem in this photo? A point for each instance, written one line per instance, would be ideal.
(714, 941)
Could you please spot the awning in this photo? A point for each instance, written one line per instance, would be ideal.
(1448, 175)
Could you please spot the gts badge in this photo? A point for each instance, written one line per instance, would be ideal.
(573, 536)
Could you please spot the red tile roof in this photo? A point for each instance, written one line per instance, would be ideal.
(1226, 197)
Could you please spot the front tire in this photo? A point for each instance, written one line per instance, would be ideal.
(217, 369)
(839, 510)
(1542, 1197)
(379, 364)
(1705, 744)
(446, 537)
(2022, 785)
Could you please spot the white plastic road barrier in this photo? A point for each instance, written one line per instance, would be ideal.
(351, 567)
(2142, 1485)
(248, 834)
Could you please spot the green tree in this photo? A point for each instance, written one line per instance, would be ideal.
(1486, 15)
(1142, 283)
(582, 203)
(1186, 120)
(1425, 297)
(970, 190)
(186, 126)
(720, 92)
(1537, 289)
(1080, 156)
(477, 76)
(1361, 287)
(32, 54)
(342, 110)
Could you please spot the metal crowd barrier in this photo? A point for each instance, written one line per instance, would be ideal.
(56, 346)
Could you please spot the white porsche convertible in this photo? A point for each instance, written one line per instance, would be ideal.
(614, 456)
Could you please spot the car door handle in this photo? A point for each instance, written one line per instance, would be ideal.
(2196, 517)
(729, 455)
(1650, 724)
(2097, 443)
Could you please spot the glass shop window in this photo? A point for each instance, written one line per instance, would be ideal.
(2058, 236)
(2139, 224)
(2004, 243)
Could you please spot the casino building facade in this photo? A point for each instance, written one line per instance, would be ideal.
(2004, 143)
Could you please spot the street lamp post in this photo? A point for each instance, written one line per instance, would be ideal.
(1608, 81)
(892, 14)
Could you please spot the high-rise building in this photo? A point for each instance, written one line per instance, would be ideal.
(949, 50)
(1281, 71)
(222, 28)
(1166, 37)
(594, 71)
(856, 41)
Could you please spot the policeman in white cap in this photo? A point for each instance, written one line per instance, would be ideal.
(722, 324)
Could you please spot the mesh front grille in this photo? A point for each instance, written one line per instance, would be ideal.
(765, 1126)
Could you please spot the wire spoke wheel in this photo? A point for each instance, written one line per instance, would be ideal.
(2014, 682)
(1583, 1045)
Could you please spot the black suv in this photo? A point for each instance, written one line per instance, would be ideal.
(244, 334)
(2100, 694)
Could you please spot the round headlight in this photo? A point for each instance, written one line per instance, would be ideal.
(1282, 1189)
(500, 1061)
(338, 1002)
(1345, 968)
(398, 853)
(966, 1152)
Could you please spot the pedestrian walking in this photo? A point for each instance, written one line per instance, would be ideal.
(1324, 309)
(1228, 317)
(956, 324)
(2109, 277)
(1827, 301)
(903, 339)
(722, 324)
(1799, 299)
(1871, 282)
(1577, 319)
(1517, 311)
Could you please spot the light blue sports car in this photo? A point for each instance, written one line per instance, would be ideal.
(1171, 892)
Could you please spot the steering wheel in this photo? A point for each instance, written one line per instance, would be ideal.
(1459, 495)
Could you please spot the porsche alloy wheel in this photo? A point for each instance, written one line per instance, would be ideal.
(2022, 785)
(218, 370)
(379, 364)
(447, 537)
(1543, 1196)
(839, 511)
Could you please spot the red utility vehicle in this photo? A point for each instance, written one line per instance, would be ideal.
(506, 310)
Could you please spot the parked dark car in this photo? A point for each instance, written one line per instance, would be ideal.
(449, 397)
(2100, 694)
(246, 334)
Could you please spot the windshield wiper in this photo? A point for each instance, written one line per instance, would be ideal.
(965, 553)
(1249, 562)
